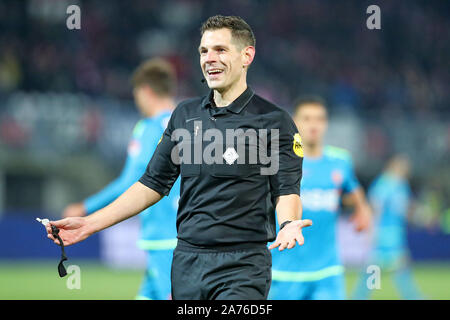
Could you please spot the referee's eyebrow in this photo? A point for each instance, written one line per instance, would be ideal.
(216, 46)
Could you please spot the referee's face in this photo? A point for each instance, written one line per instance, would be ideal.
(222, 60)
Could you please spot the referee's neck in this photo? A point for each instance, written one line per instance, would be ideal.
(223, 98)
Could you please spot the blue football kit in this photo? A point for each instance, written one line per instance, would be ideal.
(314, 271)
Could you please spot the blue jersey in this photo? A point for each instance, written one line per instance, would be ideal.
(324, 180)
(158, 227)
(390, 197)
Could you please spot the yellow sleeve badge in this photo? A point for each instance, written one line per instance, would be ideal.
(298, 147)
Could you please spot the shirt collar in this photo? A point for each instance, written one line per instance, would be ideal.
(236, 106)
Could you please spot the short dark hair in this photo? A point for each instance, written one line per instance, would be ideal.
(240, 30)
(309, 99)
(158, 74)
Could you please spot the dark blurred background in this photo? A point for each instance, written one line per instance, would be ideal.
(66, 109)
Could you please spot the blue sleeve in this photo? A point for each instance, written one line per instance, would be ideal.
(140, 148)
(350, 183)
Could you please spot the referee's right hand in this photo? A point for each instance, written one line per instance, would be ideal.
(291, 233)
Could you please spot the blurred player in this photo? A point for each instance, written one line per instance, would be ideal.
(390, 196)
(314, 271)
(153, 89)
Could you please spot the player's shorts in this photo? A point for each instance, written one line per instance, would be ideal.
(156, 284)
(209, 274)
(329, 288)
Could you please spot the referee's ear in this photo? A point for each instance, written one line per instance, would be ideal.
(248, 55)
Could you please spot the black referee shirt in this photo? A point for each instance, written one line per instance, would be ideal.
(227, 201)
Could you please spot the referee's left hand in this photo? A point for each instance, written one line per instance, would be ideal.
(289, 234)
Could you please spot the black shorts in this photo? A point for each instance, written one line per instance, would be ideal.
(210, 274)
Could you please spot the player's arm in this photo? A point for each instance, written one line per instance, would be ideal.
(355, 197)
(362, 215)
(286, 186)
(75, 229)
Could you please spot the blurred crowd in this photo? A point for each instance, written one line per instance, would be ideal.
(66, 91)
(320, 46)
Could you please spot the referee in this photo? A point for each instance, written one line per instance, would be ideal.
(230, 185)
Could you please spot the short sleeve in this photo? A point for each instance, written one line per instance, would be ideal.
(290, 157)
(161, 172)
(350, 182)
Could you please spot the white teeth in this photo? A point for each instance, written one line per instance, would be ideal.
(214, 71)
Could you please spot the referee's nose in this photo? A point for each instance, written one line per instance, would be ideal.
(211, 57)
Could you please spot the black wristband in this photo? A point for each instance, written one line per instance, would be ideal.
(284, 224)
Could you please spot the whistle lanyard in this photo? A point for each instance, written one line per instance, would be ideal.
(55, 233)
(61, 269)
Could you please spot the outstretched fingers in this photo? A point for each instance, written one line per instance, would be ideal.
(283, 246)
(274, 245)
(300, 240)
(291, 244)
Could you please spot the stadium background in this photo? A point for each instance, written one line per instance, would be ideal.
(66, 114)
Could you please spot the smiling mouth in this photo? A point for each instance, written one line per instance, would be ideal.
(214, 72)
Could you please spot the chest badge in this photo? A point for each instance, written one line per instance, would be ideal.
(298, 147)
(337, 177)
(230, 155)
